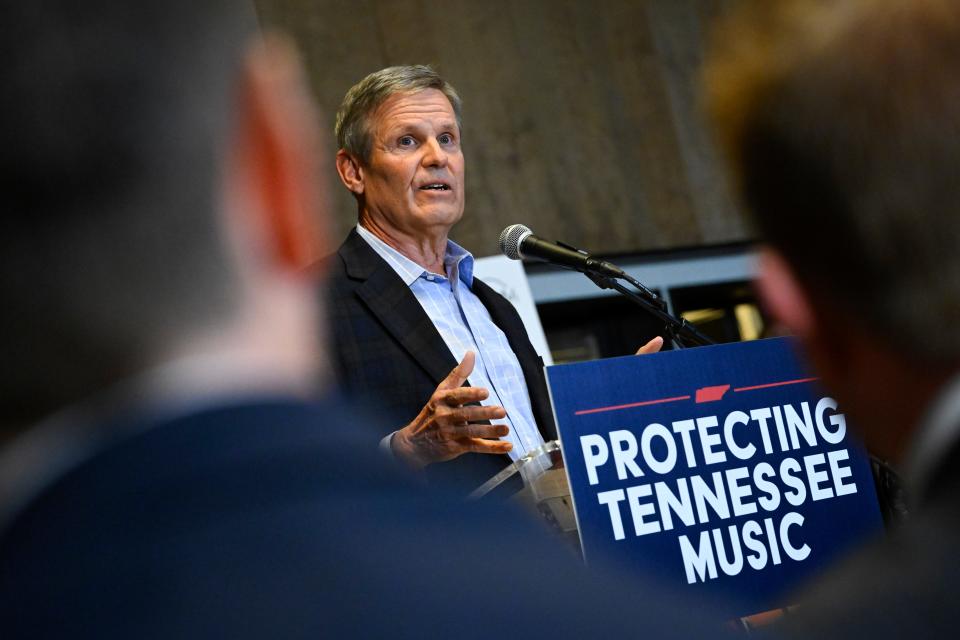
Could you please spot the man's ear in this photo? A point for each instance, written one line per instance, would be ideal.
(782, 295)
(275, 177)
(351, 171)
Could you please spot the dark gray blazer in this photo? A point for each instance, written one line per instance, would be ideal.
(387, 351)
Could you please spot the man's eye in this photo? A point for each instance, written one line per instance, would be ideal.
(406, 141)
(445, 138)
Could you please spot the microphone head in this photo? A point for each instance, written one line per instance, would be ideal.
(511, 238)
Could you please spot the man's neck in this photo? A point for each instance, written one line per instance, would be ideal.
(427, 250)
(268, 348)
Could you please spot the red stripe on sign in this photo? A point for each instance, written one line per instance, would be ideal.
(629, 406)
(712, 394)
(775, 384)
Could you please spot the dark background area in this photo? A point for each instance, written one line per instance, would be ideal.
(581, 118)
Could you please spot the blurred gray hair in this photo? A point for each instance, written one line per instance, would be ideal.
(844, 132)
(364, 98)
(112, 130)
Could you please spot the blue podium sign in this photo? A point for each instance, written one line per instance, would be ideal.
(724, 470)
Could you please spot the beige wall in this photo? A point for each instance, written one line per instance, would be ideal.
(580, 117)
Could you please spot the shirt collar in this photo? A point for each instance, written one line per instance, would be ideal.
(939, 431)
(458, 262)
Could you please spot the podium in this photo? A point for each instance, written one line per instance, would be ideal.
(545, 493)
(724, 472)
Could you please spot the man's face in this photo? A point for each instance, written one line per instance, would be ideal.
(413, 182)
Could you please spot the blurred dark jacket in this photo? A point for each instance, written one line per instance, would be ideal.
(279, 519)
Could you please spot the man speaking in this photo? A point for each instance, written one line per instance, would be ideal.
(405, 306)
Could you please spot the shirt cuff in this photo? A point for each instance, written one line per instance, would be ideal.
(386, 447)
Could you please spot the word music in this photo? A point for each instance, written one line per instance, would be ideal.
(748, 485)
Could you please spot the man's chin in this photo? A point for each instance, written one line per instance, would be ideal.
(437, 216)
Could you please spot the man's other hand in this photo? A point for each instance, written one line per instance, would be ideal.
(445, 428)
(651, 347)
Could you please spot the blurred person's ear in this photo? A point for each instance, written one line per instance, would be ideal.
(782, 295)
(830, 341)
(276, 163)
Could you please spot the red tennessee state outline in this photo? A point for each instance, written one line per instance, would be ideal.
(703, 394)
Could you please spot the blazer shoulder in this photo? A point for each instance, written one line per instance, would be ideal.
(354, 258)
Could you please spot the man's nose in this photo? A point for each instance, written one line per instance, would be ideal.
(434, 155)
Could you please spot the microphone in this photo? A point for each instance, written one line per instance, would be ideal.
(517, 242)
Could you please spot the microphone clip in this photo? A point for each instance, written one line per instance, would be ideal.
(563, 244)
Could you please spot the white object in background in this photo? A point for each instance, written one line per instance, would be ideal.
(508, 278)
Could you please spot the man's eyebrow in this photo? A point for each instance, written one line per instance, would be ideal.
(398, 127)
(414, 127)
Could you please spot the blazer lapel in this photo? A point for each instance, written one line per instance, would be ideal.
(394, 305)
(498, 314)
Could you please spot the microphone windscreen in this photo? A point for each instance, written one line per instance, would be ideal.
(510, 239)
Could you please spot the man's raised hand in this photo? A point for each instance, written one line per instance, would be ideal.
(446, 428)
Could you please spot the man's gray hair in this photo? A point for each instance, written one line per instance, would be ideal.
(364, 98)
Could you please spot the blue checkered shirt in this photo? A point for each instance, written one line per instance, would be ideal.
(465, 325)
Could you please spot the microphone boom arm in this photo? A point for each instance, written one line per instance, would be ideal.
(518, 242)
(678, 329)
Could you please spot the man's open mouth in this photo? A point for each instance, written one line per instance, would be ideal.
(435, 186)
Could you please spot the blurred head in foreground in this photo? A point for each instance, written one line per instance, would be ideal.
(159, 187)
(841, 122)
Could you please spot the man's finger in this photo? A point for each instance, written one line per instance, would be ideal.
(460, 373)
(651, 347)
(464, 395)
(466, 431)
(479, 445)
(462, 415)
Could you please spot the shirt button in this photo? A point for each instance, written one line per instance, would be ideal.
(430, 278)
